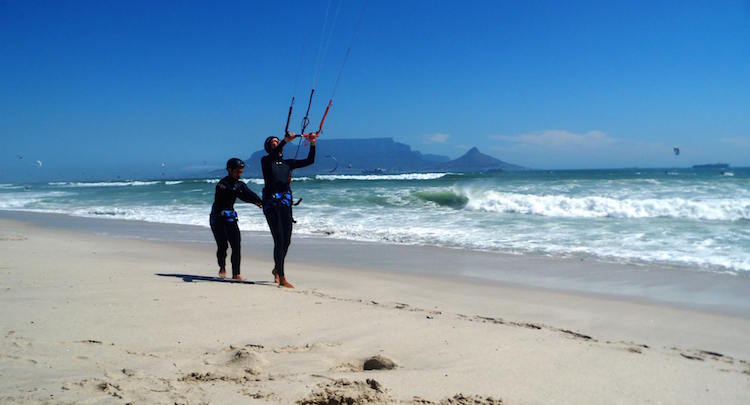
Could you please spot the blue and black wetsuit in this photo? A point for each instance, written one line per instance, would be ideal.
(223, 219)
(277, 199)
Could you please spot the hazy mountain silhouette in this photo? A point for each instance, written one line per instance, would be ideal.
(356, 156)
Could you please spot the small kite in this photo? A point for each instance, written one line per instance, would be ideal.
(336, 163)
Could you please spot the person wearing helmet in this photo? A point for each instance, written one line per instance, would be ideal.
(224, 219)
(277, 197)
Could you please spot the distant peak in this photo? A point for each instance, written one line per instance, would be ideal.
(474, 149)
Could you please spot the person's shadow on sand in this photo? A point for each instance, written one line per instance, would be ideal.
(189, 278)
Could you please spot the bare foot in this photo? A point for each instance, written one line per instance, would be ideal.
(237, 277)
(284, 283)
(222, 273)
(275, 276)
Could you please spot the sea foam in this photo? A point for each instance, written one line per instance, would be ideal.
(104, 183)
(366, 177)
(720, 209)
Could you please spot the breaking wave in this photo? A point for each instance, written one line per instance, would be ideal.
(444, 198)
(719, 209)
(103, 183)
(406, 176)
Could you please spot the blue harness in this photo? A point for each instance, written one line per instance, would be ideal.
(229, 215)
(283, 198)
(278, 199)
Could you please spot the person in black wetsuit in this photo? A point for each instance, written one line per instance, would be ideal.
(277, 197)
(223, 217)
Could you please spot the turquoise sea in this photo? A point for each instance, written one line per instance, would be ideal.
(669, 217)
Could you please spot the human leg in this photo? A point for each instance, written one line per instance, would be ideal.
(234, 239)
(274, 224)
(220, 236)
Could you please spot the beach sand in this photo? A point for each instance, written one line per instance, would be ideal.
(87, 319)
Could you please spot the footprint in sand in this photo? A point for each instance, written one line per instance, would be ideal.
(308, 347)
(460, 399)
(128, 372)
(577, 335)
(231, 365)
(210, 376)
(346, 367)
(247, 360)
(98, 385)
(631, 347)
(702, 355)
(341, 392)
(254, 394)
(16, 340)
(14, 237)
(691, 357)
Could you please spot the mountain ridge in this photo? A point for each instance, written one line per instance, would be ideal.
(379, 155)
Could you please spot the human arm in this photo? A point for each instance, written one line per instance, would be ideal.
(295, 164)
(287, 138)
(244, 193)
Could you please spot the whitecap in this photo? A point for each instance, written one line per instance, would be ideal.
(126, 183)
(722, 209)
(405, 176)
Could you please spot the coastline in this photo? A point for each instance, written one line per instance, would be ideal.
(682, 287)
(87, 319)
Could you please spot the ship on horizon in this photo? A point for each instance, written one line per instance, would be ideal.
(712, 166)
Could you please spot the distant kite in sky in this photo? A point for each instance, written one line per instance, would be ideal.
(676, 151)
(39, 163)
(336, 163)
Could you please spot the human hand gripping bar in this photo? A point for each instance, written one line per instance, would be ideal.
(316, 134)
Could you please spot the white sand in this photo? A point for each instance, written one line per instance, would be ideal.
(86, 320)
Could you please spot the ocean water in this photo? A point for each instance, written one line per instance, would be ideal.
(673, 217)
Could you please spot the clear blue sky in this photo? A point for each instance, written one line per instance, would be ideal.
(108, 88)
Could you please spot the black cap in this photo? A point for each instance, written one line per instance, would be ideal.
(235, 163)
(267, 144)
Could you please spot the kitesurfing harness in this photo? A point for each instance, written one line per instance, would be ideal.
(229, 215)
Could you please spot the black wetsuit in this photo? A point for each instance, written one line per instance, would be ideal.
(277, 199)
(223, 219)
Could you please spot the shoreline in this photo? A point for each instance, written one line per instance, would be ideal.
(680, 287)
(87, 318)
